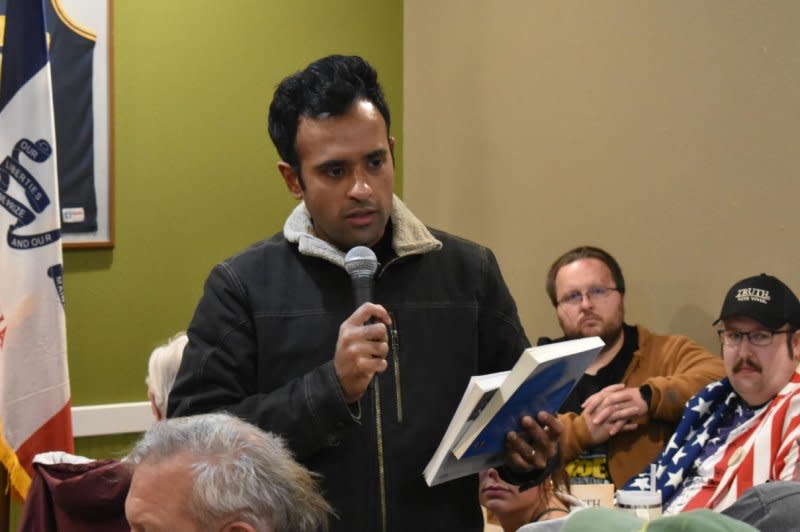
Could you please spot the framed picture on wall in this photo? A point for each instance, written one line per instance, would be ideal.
(79, 33)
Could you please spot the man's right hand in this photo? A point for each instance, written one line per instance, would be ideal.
(361, 349)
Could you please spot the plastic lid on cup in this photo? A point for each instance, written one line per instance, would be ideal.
(638, 499)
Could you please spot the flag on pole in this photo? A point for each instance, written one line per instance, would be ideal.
(34, 383)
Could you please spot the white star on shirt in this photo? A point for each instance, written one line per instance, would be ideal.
(675, 479)
(702, 438)
(671, 444)
(641, 483)
(702, 407)
(714, 385)
(730, 399)
(660, 470)
(739, 410)
(679, 454)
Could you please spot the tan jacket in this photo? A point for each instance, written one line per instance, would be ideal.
(675, 368)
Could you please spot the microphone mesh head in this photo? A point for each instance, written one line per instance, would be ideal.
(361, 261)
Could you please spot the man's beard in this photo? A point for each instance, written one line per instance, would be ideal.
(609, 333)
(610, 337)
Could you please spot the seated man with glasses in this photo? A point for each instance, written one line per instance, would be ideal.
(743, 430)
(630, 400)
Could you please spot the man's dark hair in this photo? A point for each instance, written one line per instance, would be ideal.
(583, 252)
(327, 87)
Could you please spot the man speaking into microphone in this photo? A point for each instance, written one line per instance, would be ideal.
(361, 391)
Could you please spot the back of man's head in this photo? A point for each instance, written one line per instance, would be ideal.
(579, 253)
(239, 473)
(327, 87)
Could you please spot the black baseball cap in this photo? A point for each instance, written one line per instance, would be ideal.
(763, 298)
(768, 506)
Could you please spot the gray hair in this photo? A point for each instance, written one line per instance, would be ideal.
(162, 368)
(239, 471)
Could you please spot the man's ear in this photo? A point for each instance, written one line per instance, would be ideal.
(796, 345)
(291, 178)
(154, 407)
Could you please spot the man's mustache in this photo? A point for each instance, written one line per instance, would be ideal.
(751, 364)
(589, 316)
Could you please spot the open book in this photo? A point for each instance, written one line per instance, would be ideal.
(493, 405)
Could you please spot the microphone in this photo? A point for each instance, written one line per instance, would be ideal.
(361, 264)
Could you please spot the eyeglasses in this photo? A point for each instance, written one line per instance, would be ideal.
(758, 338)
(596, 293)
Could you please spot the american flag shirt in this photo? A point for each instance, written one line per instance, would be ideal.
(721, 448)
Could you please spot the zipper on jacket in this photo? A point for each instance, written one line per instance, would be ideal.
(395, 344)
(376, 395)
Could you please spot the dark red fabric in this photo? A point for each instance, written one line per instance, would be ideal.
(77, 498)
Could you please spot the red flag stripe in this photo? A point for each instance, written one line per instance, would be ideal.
(52, 436)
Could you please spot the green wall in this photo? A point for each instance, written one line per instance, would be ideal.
(194, 170)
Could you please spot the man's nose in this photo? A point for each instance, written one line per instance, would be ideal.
(586, 300)
(361, 187)
(746, 349)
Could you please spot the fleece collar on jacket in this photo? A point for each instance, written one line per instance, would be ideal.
(410, 236)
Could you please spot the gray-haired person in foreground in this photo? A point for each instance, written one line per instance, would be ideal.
(216, 472)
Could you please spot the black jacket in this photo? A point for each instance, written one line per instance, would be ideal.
(261, 345)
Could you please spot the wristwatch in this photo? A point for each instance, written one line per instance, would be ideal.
(647, 394)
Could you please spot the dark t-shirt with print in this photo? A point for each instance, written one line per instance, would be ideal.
(591, 467)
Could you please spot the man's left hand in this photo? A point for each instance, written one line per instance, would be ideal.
(536, 446)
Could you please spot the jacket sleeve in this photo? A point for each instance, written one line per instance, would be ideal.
(502, 341)
(501, 336)
(219, 371)
(575, 438)
(685, 369)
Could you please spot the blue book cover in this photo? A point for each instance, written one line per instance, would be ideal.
(540, 380)
(443, 466)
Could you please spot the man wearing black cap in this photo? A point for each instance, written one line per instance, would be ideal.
(743, 430)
